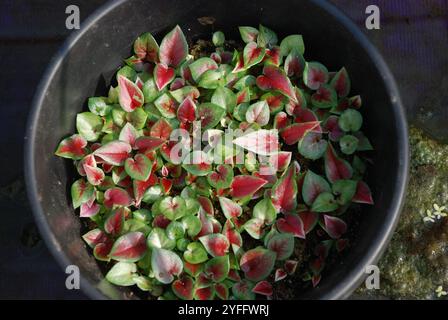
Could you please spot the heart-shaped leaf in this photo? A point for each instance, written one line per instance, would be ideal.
(294, 64)
(291, 266)
(114, 152)
(274, 78)
(291, 223)
(183, 288)
(114, 222)
(146, 47)
(314, 75)
(243, 290)
(325, 202)
(222, 178)
(281, 160)
(161, 129)
(73, 147)
(193, 269)
(254, 227)
(210, 114)
(216, 244)
(95, 176)
(334, 226)
(204, 293)
(291, 43)
(257, 263)
(252, 54)
(130, 247)
(232, 234)
(264, 288)
(81, 192)
(187, 111)
(89, 125)
(229, 208)
(200, 66)
(265, 211)
(173, 48)
(263, 142)
(350, 120)
(313, 185)
(273, 56)
(163, 75)
(258, 113)
(101, 251)
(312, 146)
(248, 34)
(166, 105)
(341, 83)
(295, 132)
(94, 237)
(173, 207)
(217, 268)
(245, 186)
(197, 163)
(139, 167)
(280, 274)
(195, 253)
(324, 97)
(363, 193)
(117, 197)
(130, 96)
(192, 224)
(284, 191)
(309, 220)
(158, 238)
(225, 98)
(335, 167)
(146, 144)
(344, 190)
(221, 290)
(281, 120)
(282, 244)
(266, 37)
(122, 274)
(206, 204)
(165, 265)
(128, 134)
(332, 127)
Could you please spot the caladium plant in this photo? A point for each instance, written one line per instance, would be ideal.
(203, 175)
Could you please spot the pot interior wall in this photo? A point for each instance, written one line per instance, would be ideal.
(91, 61)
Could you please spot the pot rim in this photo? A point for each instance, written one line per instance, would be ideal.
(354, 277)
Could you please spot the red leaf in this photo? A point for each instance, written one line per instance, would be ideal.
(128, 134)
(284, 191)
(273, 56)
(229, 208)
(140, 187)
(295, 132)
(263, 288)
(204, 293)
(94, 237)
(118, 197)
(335, 167)
(167, 184)
(280, 274)
(130, 96)
(244, 186)
(291, 266)
(275, 78)
(207, 225)
(334, 226)
(309, 220)
(89, 210)
(234, 275)
(333, 129)
(130, 247)
(257, 263)
(72, 147)
(264, 142)
(114, 221)
(232, 235)
(281, 160)
(363, 194)
(207, 205)
(174, 48)
(183, 288)
(291, 223)
(187, 110)
(163, 75)
(161, 129)
(160, 221)
(341, 83)
(102, 250)
(281, 120)
(95, 175)
(216, 244)
(114, 152)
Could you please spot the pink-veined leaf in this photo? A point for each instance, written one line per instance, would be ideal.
(94, 237)
(363, 193)
(281, 160)
(245, 186)
(161, 129)
(229, 208)
(222, 177)
(263, 142)
(200, 66)
(81, 192)
(248, 34)
(139, 167)
(216, 244)
(334, 226)
(146, 47)
(217, 268)
(291, 223)
(114, 152)
(324, 97)
(128, 134)
(221, 290)
(187, 111)
(280, 274)
(165, 265)
(139, 187)
(258, 113)
(282, 244)
(210, 114)
(252, 54)
(146, 144)
(341, 83)
(204, 293)
(273, 56)
(102, 250)
(115, 221)
(281, 120)
(254, 227)
(130, 247)
(274, 78)
(117, 197)
(309, 220)
(173, 48)
(234, 275)
(73, 147)
(291, 266)
(296, 131)
(332, 127)
(183, 287)
(129, 94)
(257, 263)
(263, 288)
(314, 75)
(89, 210)
(335, 167)
(163, 75)
(232, 234)
(284, 191)
(95, 175)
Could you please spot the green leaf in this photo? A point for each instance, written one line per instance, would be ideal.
(258, 113)
(166, 106)
(248, 34)
(225, 98)
(254, 227)
(222, 178)
(98, 106)
(325, 202)
(81, 192)
(195, 253)
(344, 190)
(192, 224)
(350, 120)
(292, 42)
(312, 146)
(348, 144)
(266, 37)
(200, 66)
(139, 167)
(265, 211)
(138, 118)
(122, 273)
(173, 207)
(313, 185)
(157, 238)
(175, 230)
(89, 125)
(218, 38)
(210, 115)
(211, 79)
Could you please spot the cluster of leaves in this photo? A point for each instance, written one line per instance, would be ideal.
(177, 230)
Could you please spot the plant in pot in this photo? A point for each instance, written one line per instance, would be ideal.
(220, 173)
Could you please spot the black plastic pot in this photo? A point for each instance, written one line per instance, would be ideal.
(89, 58)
